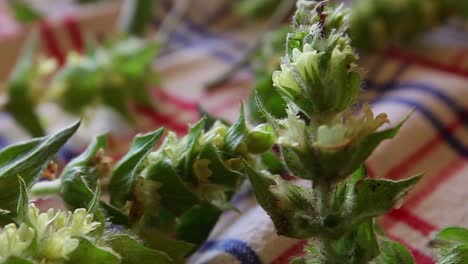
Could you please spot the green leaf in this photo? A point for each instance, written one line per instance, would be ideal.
(367, 146)
(271, 100)
(23, 202)
(392, 252)
(87, 252)
(94, 207)
(375, 197)
(455, 255)
(221, 175)
(174, 194)
(210, 119)
(195, 225)
(123, 175)
(273, 163)
(136, 16)
(80, 176)
(20, 103)
(28, 159)
(132, 252)
(24, 12)
(451, 245)
(176, 249)
(288, 207)
(358, 246)
(237, 133)
(453, 235)
(193, 135)
(16, 260)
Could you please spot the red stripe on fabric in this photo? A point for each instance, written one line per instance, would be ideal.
(445, 174)
(401, 169)
(394, 53)
(51, 42)
(163, 120)
(75, 34)
(460, 58)
(180, 103)
(413, 221)
(419, 257)
(294, 251)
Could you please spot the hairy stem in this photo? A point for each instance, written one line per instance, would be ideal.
(45, 188)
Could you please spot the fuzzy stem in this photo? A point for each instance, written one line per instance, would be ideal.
(45, 188)
(323, 192)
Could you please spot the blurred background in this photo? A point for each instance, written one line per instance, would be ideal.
(212, 54)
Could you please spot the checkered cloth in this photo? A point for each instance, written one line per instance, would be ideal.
(430, 80)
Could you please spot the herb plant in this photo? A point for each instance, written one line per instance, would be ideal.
(163, 202)
(325, 140)
(118, 75)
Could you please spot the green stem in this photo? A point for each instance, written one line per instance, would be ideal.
(45, 188)
(323, 193)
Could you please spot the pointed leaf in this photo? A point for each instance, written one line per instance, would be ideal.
(23, 202)
(123, 175)
(237, 133)
(28, 159)
(190, 151)
(132, 252)
(220, 174)
(173, 193)
(210, 119)
(196, 225)
(393, 252)
(80, 176)
(87, 252)
(375, 197)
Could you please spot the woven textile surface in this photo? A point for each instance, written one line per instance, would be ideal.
(431, 81)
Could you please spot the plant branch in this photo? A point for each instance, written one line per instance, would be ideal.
(45, 188)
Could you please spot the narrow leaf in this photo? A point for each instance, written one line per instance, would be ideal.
(236, 133)
(23, 202)
(190, 151)
(123, 175)
(80, 176)
(28, 159)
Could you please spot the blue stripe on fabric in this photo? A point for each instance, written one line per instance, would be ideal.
(452, 141)
(452, 104)
(236, 248)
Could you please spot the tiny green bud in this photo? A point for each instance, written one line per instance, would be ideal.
(260, 139)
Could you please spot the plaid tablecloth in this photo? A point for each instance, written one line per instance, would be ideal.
(431, 80)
